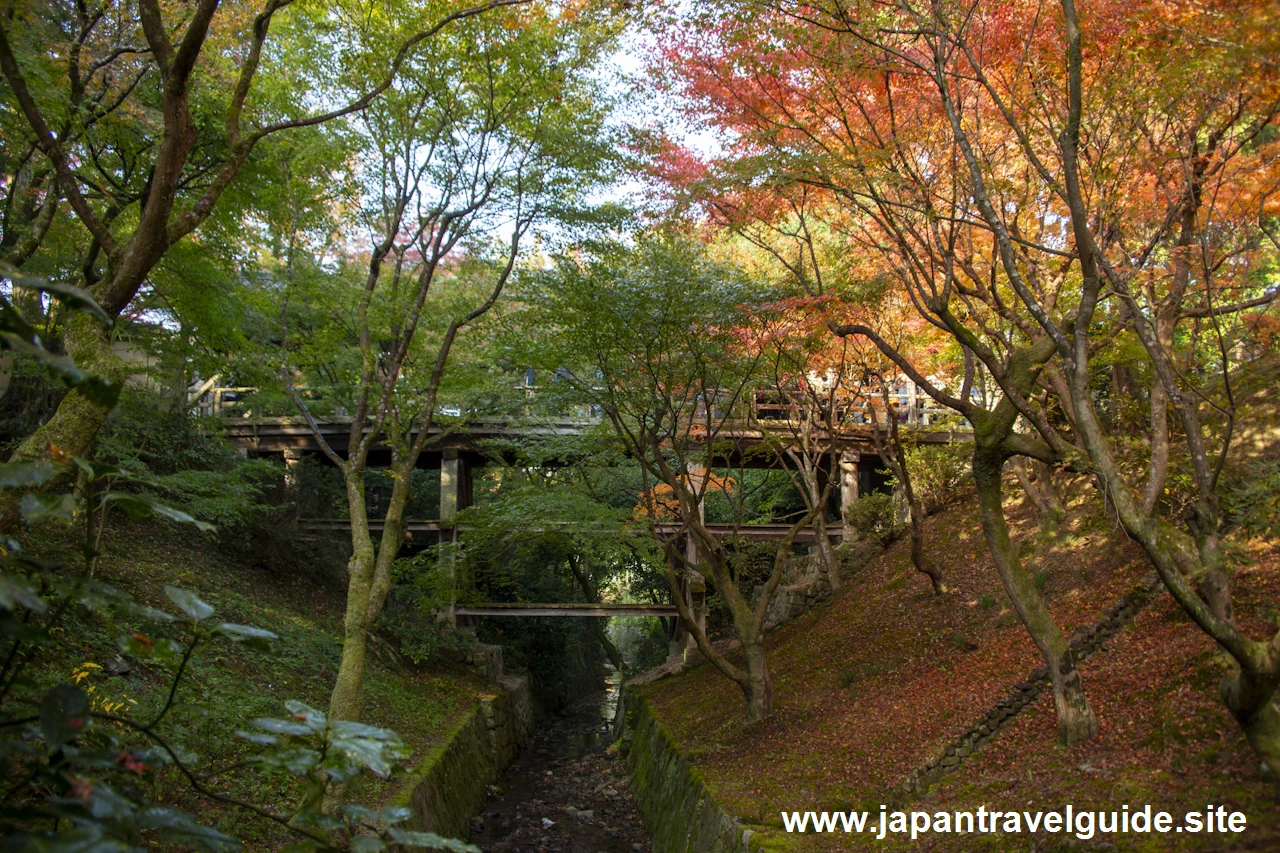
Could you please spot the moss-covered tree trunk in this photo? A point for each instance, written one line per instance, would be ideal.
(758, 691)
(368, 583)
(75, 424)
(826, 553)
(748, 622)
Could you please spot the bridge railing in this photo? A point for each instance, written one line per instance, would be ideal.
(771, 408)
(220, 402)
(765, 409)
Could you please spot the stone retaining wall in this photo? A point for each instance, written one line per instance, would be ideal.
(677, 807)
(805, 582)
(683, 817)
(448, 787)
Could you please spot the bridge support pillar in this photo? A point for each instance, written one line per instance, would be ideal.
(292, 457)
(455, 484)
(848, 493)
(455, 495)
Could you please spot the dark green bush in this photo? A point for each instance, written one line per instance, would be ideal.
(173, 455)
(875, 517)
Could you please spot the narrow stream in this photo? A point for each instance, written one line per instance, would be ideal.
(563, 793)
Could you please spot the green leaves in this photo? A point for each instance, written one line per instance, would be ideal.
(142, 506)
(189, 603)
(64, 712)
(25, 475)
(307, 742)
(17, 334)
(429, 840)
(181, 828)
(75, 298)
(44, 507)
(37, 507)
(367, 844)
(259, 639)
(16, 591)
(103, 392)
(71, 296)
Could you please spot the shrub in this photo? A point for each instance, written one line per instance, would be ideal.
(172, 455)
(422, 589)
(939, 473)
(875, 517)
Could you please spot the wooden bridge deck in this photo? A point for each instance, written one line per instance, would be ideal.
(661, 610)
(746, 445)
(751, 532)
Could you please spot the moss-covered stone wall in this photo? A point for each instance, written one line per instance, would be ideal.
(678, 809)
(447, 788)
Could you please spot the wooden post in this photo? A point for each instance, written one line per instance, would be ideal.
(455, 485)
(455, 495)
(292, 456)
(848, 493)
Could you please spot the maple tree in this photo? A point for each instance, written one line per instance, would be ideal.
(1043, 198)
(495, 132)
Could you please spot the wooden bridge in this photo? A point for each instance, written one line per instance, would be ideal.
(665, 611)
(432, 528)
(745, 446)
(457, 451)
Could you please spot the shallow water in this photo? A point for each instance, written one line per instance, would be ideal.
(564, 793)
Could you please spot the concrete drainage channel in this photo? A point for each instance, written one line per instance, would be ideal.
(509, 782)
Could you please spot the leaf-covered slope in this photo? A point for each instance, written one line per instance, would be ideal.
(879, 681)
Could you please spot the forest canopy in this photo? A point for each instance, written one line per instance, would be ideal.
(570, 303)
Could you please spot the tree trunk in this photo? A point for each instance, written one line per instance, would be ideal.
(825, 552)
(597, 629)
(1159, 472)
(921, 560)
(390, 541)
(602, 637)
(757, 688)
(1041, 493)
(75, 424)
(1076, 721)
(347, 698)
(897, 461)
(345, 703)
(1260, 721)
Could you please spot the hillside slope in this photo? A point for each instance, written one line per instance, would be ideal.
(878, 682)
(229, 685)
